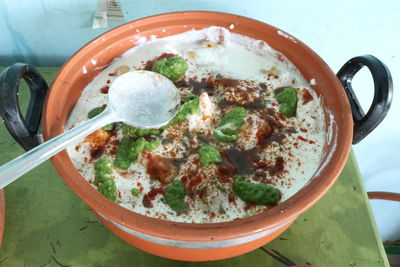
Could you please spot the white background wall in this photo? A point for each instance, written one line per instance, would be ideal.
(47, 32)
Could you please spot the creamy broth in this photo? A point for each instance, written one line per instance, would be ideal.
(226, 71)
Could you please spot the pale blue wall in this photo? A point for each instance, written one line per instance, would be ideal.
(47, 32)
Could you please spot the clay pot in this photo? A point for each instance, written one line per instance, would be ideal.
(201, 242)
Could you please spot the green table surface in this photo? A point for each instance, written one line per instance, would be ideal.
(48, 225)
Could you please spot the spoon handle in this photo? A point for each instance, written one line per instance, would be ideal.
(12, 170)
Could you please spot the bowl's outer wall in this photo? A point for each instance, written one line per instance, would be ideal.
(78, 72)
(192, 254)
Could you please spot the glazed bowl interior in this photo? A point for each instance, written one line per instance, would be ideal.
(80, 70)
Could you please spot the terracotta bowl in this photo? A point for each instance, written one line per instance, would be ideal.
(203, 242)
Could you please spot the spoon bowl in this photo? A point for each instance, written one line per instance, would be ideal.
(154, 101)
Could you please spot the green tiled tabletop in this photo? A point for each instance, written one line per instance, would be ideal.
(47, 225)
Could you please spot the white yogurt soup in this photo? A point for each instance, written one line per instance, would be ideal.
(250, 132)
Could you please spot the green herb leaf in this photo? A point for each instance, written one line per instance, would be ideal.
(171, 67)
(152, 144)
(135, 192)
(288, 102)
(129, 150)
(174, 196)
(209, 154)
(108, 189)
(102, 170)
(138, 146)
(229, 125)
(255, 193)
(132, 131)
(190, 107)
(122, 158)
(220, 187)
(96, 111)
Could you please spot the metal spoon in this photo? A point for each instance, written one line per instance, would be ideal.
(143, 99)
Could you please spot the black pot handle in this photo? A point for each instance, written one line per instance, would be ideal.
(366, 123)
(23, 130)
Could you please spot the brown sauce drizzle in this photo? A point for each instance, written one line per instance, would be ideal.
(271, 117)
(302, 138)
(205, 85)
(225, 82)
(209, 84)
(104, 89)
(264, 133)
(275, 137)
(263, 86)
(291, 130)
(226, 169)
(181, 83)
(203, 139)
(260, 176)
(243, 160)
(147, 202)
(114, 146)
(278, 167)
(231, 198)
(307, 96)
(154, 191)
(96, 152)
(259, 104)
